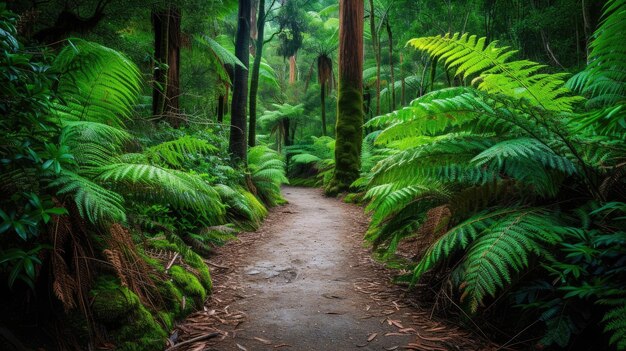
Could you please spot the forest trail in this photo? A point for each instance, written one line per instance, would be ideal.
(304, 281)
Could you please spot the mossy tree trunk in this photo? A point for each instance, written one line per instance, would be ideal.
(237, 143)
(349, 128)
(167, 40)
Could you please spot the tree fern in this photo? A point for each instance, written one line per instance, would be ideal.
(492, 72)
(498, 244)
(94, 202)
(268, 172)
(96, 83)
(177, 188)
(174, 153)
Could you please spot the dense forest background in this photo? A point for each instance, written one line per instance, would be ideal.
(139, 135)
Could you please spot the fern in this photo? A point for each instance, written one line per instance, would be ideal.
(268, 173)
(94, 202)
(179, 189)
(498, 244)
(96, 83)
(174, 153)
(469, 56)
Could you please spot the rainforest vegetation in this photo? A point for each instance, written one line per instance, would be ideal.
(137, 137)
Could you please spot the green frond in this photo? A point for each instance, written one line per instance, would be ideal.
(604, 78)
(493, 72)
(615, 322)
(502, 250)
(498, 244)
(176, 188)
(94, 202)
(385, 200)
(523, 148)
(447, 159)
(96, 84)
(243, 208)
(268, 173)
(174, 153)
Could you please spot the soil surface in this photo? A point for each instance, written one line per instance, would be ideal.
(305, 281)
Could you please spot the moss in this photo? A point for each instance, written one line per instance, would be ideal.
(189, 284)
(167, 319)
(112, 301)
(349, 129)
(172, 296)
(129, 324)
(141, 332)
(174, 243)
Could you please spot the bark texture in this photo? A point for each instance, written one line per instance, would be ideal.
(167, 40)
(256, 67)
(237, 143)
(349, 126)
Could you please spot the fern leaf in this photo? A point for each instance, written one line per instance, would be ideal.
(177, 188)
(469, 56)
(94, 202)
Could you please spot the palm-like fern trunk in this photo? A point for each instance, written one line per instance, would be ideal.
(237, 142)
(349, 96)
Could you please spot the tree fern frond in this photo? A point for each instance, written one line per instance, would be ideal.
(177, 188)
(524, 148)
(469, 56)
(94, 202)
(447, 157)
(503, 249)
(97, 83)
(174, 153)
(604, 78)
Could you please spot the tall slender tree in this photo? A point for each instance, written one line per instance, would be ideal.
(256, 67)
(167, 40)
(349, 127)
(237, 143)
(376, 48)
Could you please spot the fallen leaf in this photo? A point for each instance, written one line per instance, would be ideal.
(431, 339)
(394, 334)
(265, 341)
(372, 337)
(396, 323)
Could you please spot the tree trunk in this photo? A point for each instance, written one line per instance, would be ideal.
(323, 102)
(376, 48)
(254, 34)
(256, 66)
(237, 143)
(403, 91)
(349, 128)
(220, 109)
(292, 69)
(393, 82)
(165, 97)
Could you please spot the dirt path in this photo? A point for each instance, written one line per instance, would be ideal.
(304, 281)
